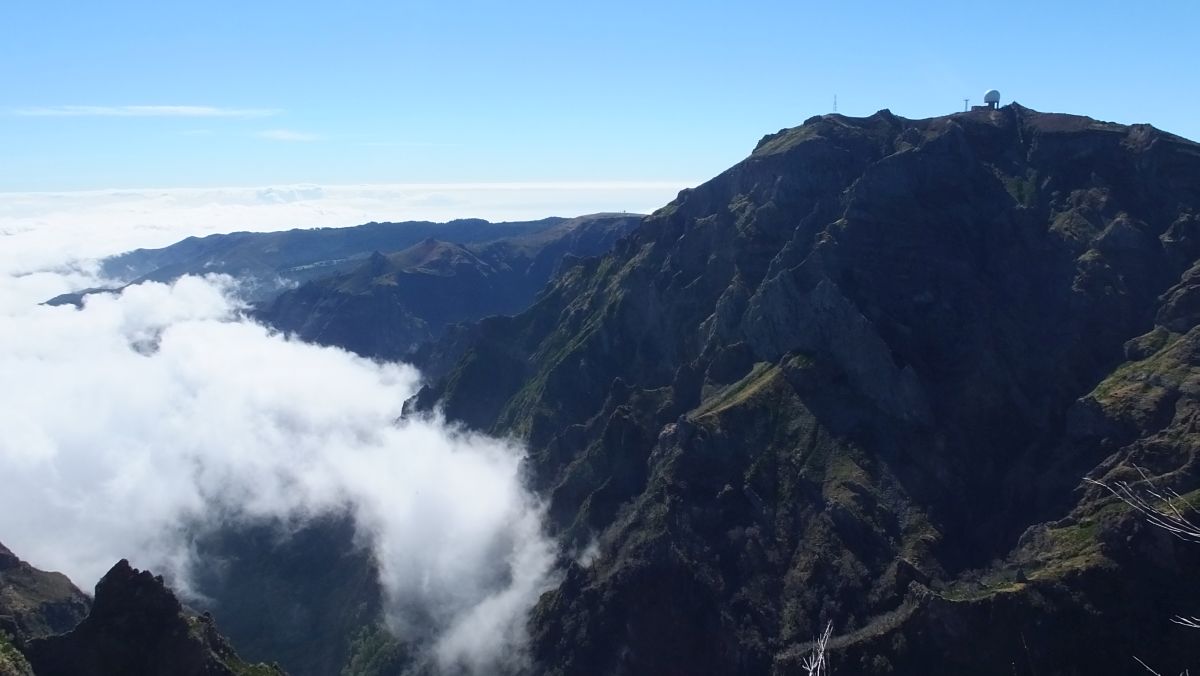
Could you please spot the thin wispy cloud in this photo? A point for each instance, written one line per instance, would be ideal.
(144, 111)
(288, 135)
(408, 144)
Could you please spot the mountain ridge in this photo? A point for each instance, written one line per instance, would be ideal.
(267, 263)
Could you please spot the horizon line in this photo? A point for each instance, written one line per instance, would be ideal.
(443, 185)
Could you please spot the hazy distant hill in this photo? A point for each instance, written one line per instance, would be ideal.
(269, 262)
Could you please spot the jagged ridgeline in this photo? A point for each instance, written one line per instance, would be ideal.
(858, 378)
(135, 625)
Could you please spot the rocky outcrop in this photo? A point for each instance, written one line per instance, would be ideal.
(136, 626)
(857, 378)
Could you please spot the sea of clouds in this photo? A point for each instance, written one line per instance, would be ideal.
(153, 409)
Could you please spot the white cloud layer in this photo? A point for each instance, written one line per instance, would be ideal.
(143, 111)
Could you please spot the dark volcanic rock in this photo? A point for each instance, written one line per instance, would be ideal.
(137, 627)
(857, 378)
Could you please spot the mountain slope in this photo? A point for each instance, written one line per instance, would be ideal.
(35, 603)
(857, 378)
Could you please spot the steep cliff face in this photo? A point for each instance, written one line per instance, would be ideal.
(136, 626)
(858, 378)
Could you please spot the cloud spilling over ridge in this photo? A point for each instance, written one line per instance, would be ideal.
(156, 408)
(147, 414)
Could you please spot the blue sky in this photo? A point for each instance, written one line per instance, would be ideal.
(258, 93)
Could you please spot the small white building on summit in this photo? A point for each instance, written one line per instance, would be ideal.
(991, 101)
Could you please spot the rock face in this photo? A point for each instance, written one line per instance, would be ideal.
(857, 378)
(137, 627)
(389, 304)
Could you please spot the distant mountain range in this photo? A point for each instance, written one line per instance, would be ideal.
(855, 380)
(268, 262)
(379, 289)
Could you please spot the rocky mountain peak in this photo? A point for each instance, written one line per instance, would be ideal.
(137, 626)
(136, 596)
(872, 355)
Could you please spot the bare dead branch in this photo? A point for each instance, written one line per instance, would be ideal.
(815, 664)
(1159, 507)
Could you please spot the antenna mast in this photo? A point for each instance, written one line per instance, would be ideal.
(966, 105)
(835, 103)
